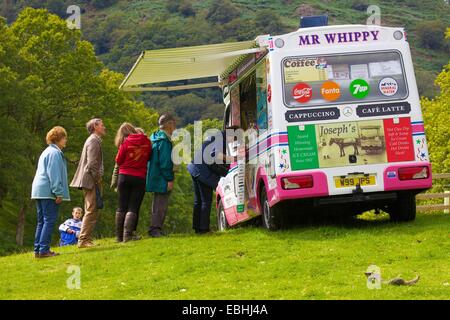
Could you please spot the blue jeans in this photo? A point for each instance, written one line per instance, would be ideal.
(202, 206)
(47, 213)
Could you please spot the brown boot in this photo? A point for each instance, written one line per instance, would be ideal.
(120, 220)
(130, 221)
(48, 254)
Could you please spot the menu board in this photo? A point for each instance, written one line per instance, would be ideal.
(385, 68)
(338, 72)
(350, 143)
(359, 71)
(303, 147)
(399, 145)
(301, 70)
(355, 78)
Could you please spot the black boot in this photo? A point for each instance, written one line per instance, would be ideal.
(130, 222)
(120, 220)
(136, 235)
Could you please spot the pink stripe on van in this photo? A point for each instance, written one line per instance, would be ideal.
(418, 128)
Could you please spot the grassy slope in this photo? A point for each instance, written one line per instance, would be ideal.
(319, 261)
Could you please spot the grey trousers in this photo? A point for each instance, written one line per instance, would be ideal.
(90, 218)
(159, 210)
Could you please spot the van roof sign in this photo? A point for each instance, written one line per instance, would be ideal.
(313, 21)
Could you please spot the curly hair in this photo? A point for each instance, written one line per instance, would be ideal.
(55, 135)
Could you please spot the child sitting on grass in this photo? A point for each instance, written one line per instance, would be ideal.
(70, 229)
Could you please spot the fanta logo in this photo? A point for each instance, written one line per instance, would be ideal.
(302, 92)
(330, 91)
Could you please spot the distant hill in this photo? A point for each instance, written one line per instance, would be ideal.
(121, 29)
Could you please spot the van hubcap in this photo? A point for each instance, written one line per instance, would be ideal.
(222, 220)
(266, 213)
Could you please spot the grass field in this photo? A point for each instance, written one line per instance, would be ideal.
(321, 260)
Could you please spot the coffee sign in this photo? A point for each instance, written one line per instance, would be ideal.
(312, 115)
(374, 110)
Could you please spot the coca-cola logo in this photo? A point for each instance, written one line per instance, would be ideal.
(302, 92)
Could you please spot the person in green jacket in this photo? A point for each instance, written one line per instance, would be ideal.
(160, 174)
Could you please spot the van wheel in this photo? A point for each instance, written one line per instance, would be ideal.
(222, 223)
(271, 216)
(404, 209)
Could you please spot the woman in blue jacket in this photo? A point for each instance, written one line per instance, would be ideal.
(50, 187)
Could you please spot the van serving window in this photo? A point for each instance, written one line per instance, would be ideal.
(343, 78)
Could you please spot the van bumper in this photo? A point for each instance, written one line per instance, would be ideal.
(391, 182)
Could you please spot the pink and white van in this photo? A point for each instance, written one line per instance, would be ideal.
(338, 126)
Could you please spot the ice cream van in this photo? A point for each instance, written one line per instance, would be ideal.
(335, 116)
(339, 126)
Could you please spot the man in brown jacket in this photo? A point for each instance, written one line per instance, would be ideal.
(89, 176)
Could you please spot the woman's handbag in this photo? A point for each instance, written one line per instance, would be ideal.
(98, 197)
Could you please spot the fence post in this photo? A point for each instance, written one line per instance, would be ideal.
(447, 201)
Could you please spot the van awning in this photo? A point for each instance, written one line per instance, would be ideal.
(165, 65)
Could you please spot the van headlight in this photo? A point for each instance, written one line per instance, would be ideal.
(398, 35)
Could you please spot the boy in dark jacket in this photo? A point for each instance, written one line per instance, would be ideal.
(206, 177)
(160, 174)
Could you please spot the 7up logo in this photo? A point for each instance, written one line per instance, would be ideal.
(359, 88)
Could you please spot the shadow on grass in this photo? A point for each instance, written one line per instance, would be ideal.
(99, 248)
(338, 226)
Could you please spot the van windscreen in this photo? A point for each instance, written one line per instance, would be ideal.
(343, 78)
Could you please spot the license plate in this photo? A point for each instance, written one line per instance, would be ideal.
(352, 181)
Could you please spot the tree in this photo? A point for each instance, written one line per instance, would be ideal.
(172, 6)
(437, 127)
(267, 21)
(222, 12)
(360, 5)
(7, 10)
(431, 34)
(100, 4)
(48, 77)
(186, 9)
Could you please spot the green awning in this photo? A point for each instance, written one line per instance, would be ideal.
(165, 65)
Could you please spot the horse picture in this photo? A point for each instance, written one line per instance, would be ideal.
(343, 143)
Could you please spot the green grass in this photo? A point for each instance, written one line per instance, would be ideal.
(315, 261)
